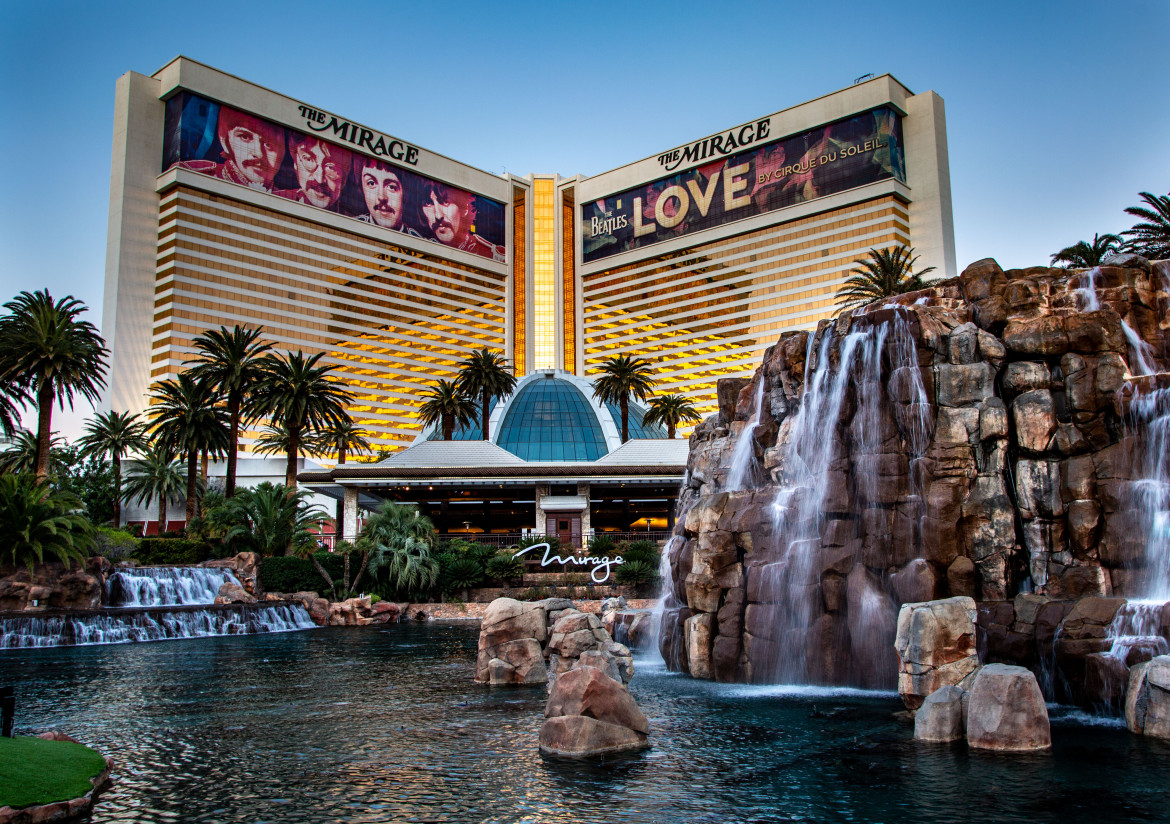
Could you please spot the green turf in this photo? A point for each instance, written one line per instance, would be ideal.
(35, 771)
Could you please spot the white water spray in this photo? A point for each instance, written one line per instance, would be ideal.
(743, 456)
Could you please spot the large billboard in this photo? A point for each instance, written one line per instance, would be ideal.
(861, 149)
(216, 140)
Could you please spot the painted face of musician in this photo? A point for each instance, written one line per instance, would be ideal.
(320, 171)
(382, 190)
(449, 214)
(252, 149)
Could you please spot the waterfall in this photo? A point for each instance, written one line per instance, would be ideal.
(1143, 353)
(743, 456)
(1087, 291)
(1149, 494)
(166, 586)
(131, 626)
(1137, 627)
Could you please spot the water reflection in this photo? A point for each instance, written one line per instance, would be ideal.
(373, 725)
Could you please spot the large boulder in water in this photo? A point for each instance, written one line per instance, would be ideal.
(589, 714)
(1006, 711)
(1147, 702)
(941, 717)
(935, 645)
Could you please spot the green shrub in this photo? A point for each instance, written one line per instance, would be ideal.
(646, 551)
(459, 574)
(287, 573)
(504, 566)
(171, 551)
(636, 574)
(114, 544)
(481, 553)
(600, 545)
(534, 594)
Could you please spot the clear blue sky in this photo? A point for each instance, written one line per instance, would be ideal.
(1057, 112)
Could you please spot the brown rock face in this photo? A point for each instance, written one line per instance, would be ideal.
(975, 439)
(1006, 711)
(935, 646)
(591, 714)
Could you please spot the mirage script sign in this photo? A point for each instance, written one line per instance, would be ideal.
(600, 564)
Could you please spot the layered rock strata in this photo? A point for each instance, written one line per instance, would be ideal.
(972, 439)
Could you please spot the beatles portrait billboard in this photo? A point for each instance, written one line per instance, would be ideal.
(216, 140)
(861, 149)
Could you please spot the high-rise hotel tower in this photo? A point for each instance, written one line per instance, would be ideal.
(232, 204)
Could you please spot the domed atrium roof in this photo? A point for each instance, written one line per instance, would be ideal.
(553, 416)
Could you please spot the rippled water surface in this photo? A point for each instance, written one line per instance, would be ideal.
(384, 724)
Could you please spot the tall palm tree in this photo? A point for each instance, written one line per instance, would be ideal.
(671, 410)
(299, 395)
(1150, 239)
(447, 405)
(620, 378)
(36, 521)
(342, 437)
(887, 272)
(21, 455)
(232, 362)
(114, 434)
(400, 539)
(187, 422)
(12, 397)
(274, 521)
(156, 475)
(486, 375)
(46, 351)
(1085, 255)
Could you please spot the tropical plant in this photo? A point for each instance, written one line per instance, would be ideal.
(90, 479)
(1086, 255)
(504, 567)
(1150, 239)
(114, 544)
(272, 520)
(641, 551)
(49, 354)
(21, 454)
(232, 363)
(447, 405)
(155, 476)
(342, 438)
(486, 375)
(397, 538)
(187, 422)
(887, 272)
(38, 523)
(600, 545)
(300, 396)
(620, 378)
(113, 434)
(460, 575)
(636, 573)
(670, 411)
(12, 397)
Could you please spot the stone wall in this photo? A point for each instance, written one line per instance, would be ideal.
(980, 449)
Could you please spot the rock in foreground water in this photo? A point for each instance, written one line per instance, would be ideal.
(1147, 703)
(589, 713)
(940, 718)
(1006, 711)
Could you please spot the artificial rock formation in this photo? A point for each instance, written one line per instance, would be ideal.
(53, 585)
(972, 439)
(1006, 711)
(1147, 702)
(935, 643)
(590, 713)
(942, 716)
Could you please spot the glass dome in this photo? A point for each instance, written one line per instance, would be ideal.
(470, 431)
(551, 420)
(637, 428)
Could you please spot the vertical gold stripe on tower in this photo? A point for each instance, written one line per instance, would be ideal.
(569, 280)
(519, 292)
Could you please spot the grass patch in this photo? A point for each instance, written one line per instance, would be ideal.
(35, 771)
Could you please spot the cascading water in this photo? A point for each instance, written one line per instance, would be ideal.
(743, 456)
(1137, 628)
(154, 604)
(1149, 494)
(166, 586)
(1142, 354)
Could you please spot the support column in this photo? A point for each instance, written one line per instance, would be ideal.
(540, 493)
(350, 514)
(670, 505)
(586, 521)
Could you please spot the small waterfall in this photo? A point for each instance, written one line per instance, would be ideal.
(1148, 495)
(1143, 353)
(743, 456)
(1137, 628)
(1087, 291)
(166, 586)
(150, 625)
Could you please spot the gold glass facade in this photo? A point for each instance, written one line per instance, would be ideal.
(519, 292)
(392, 320)
(710, 311)
(569, 280)
(544, 252)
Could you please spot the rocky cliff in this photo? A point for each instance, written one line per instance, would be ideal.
(995, 433)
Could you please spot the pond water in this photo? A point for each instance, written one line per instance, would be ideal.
(383, 724)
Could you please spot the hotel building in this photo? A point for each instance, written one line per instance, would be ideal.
(232, 204)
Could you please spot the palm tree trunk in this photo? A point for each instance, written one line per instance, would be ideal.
(345, 571)
(670, 431)
(449, 427)
(625, 418)
(321, 571)
(234, 413)
(361, 571)
(162, 514)
(44, 427)
(290, 469)
(484, 408)
(116, 460)
(339, 521)
(192, 483)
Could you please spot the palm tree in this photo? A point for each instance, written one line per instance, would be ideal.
(21, 456)
(48, 353)
(449, 406)
(274, 520)
(297, 392)
(232, 362)
(342, 437)
(36, 522)
(1083, 255)
(671, 410)
(886, 273)
(486, 375)
(620, 378)
(114, 434)
(155, 476)
(187, 422)
(1151, 239)
(12, 397)
(400, 539)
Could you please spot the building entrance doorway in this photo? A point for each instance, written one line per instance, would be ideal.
(567, 529)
